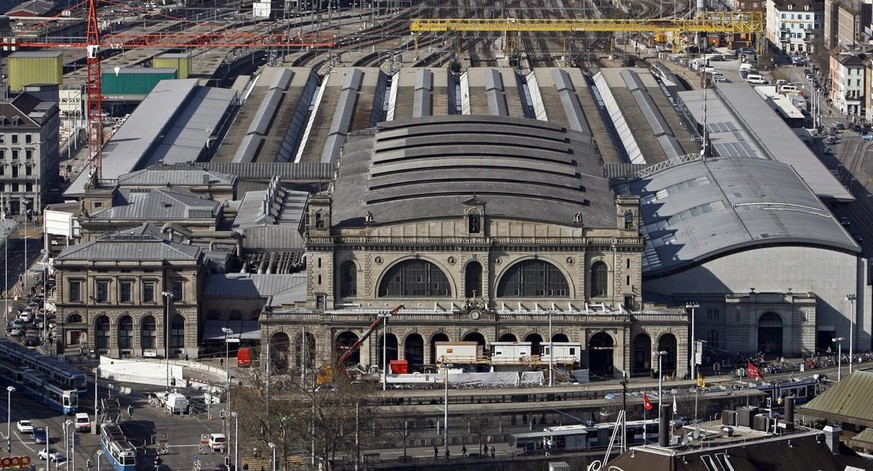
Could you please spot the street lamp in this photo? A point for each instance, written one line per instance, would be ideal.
(45, 260)
(70, 444)
(235, 441)
(273, 450)
(851, 299)
(693, 307)
(384, 316)
(96, 378)
(168, 298)
(9, 390)
(227, 332)
(99, 454)
(839, 342)
(661, 355)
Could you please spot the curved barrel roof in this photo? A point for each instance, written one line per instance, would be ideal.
(698, 210)
(426, 168)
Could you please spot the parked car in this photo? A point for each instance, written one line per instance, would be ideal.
(31, 341)
(24, 426)
(16, 332)
(51, 454)
(39, 435)
(867, 137)
(25, 315)
(841, 126)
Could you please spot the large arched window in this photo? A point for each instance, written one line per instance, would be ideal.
(599, 280)
(533, 278)
(125, 333)
(148, 334)
(348, 279)
(177, 332)
(415, 278)
(101, 333)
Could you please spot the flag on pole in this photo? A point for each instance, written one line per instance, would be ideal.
(675, 408)
(700, 382)
(752, 371)
(646, 404)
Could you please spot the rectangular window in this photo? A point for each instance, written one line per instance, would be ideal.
(125, 291)
(178, 291)
(28, 187)
(102, 294)
(148, 292)
(14, 154)
(75, 291)
(15, 138)
(28, 154)
(28, 138)
(28, 170)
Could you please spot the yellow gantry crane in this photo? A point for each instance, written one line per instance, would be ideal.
(752, 22)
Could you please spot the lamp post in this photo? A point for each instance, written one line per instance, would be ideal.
(384, 316)
(235, 441)
(96, 378)
(273, 450)
(551, 353)
(45, 260)
(9, 391)
(99, 454)
(661, 355)
(71, 444)
(851, 299)
(227, 332)
(168, 298)
(693, 307)
(839, 342)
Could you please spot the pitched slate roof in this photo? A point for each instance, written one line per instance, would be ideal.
(159, 204)
(176, 175)
(145, 243)
(847, 401)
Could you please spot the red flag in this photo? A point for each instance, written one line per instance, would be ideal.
(648, 405)
(752, 371)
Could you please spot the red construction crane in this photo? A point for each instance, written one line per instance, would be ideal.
(93, 45)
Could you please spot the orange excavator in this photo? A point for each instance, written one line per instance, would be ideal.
(326, 372)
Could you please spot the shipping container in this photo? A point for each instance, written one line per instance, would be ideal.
(174, 60)
(399, 366)
(35, 68)
(133, 82)
(510, 353)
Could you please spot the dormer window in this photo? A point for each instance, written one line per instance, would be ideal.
(3, 120)
(474, 222)
(15, 120)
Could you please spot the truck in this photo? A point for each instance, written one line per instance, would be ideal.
(177, 403)
(244, 356)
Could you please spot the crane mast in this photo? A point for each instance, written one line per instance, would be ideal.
(94, 91)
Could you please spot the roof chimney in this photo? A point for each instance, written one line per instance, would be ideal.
(832, 437)
(664, 426)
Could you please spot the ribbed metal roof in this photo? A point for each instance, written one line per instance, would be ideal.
(284, 288)
(145, 243)
(159, 204)
(184, 174)
(426, 168)
(847, 401)
(287, 171)
(698, 210)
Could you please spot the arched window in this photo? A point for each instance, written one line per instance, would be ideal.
(348, 279)
(125, 333)
(319, 219)
(177, 332)
(74, 319)
(599, 280)
(712, 339)
(101, 333)
(415, 278)
(148, 334)
(533, 278)
(629, 220)
(474, 223)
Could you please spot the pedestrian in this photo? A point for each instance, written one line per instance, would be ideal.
(221, 361)
(186, 357)
(464, 451)
(492, 452)
(447, 453)
(436, 452)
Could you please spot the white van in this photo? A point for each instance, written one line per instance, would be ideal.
(755, 79)
(788, 89)
(83, 423)
(177, 403)
(217, 442)
(745, 66)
